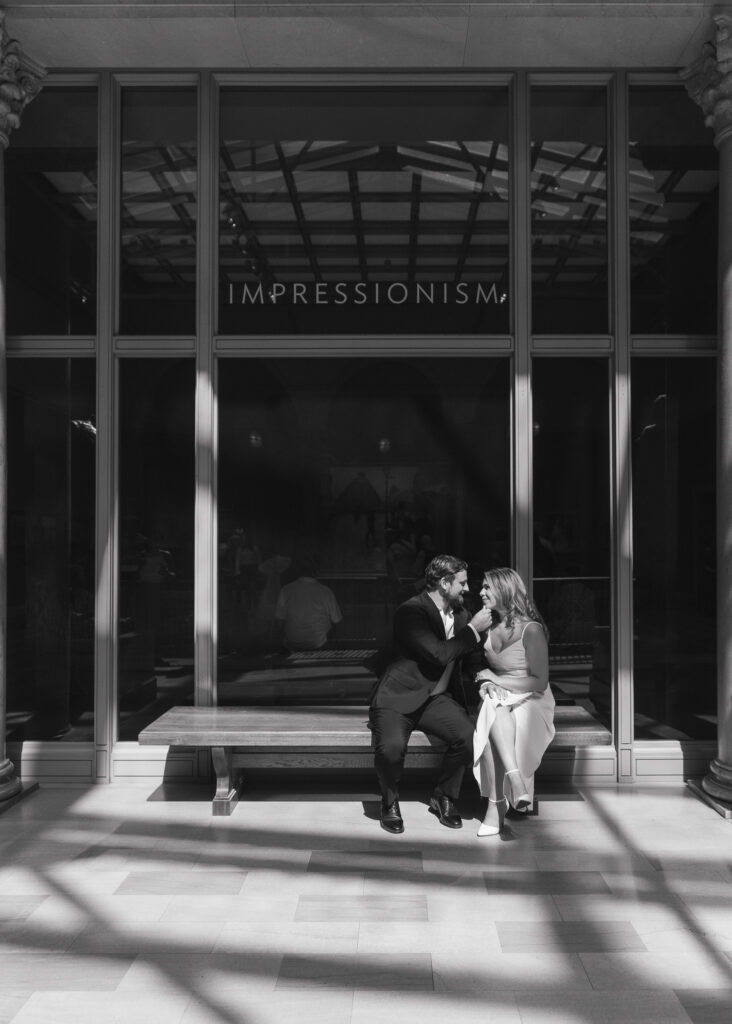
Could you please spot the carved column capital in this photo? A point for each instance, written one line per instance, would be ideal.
(20, 81)
(708, 79)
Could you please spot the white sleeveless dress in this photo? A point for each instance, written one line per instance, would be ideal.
(533, 714)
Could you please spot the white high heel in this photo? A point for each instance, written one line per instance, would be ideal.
(490, 830)
(522, 801)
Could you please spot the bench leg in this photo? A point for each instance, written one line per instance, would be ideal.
(227, 788)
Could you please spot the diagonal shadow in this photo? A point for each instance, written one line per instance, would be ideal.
(662, 893)
(152, 953)
(383, 971)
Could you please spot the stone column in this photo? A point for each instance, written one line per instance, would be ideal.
(20, 80)
(709, 83)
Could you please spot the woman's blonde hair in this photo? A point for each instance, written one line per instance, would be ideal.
(512, 598)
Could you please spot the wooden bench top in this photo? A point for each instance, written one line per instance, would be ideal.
(304, 728)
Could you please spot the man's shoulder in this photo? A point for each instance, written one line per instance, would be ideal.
(420, 601)
(419, 609)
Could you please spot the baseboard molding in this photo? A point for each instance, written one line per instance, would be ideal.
(26, 788)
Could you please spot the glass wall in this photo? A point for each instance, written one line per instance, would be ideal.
(572, 531)
(51, 479)
(364, 211)
(673, 191)
(344, 213)
(51, 215)
(156, 494)
(674, 558)
(339, 479)
(569, 255)
(159, 211)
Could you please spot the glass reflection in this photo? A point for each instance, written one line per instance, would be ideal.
(364, 212)
(51, 215)
(339, 480)
(156, 486)
(572, 536)
(569, 256)
(673, 194)
(51, 474)
(674, 662)
(159, 212)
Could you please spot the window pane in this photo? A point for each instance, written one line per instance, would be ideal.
(673, 215)
(51, 460)
(572, 534)
(569, 211)
(159, 212)
(156, 484)
(364, 211)
(673, 403)
(355, 472)
(51, 215)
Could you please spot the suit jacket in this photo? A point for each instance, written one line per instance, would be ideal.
(421, 654)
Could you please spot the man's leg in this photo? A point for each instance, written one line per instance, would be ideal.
(444, 718)
(390, 732)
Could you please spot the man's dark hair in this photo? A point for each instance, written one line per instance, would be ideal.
(442, 567)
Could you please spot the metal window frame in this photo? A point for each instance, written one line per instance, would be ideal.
(621, 511)
(109, 347)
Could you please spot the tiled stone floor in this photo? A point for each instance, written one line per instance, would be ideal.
(129, 903)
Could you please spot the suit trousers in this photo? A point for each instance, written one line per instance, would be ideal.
(439, 716)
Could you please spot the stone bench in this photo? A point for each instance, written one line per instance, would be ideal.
(316, 736)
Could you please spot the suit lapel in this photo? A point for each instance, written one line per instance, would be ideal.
(435, 617)
(461, 615)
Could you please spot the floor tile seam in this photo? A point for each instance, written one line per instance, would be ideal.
(121, 890)
(611, 923)
(695, 925)
(24, 944)
(692, 903)
(712, 957)
(586, 972)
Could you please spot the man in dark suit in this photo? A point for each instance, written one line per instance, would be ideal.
(431, 634)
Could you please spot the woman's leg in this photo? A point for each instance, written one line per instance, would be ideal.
(503, 739)
(493, 770)
(499, 776)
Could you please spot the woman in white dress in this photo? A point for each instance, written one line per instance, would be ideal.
(516, 721)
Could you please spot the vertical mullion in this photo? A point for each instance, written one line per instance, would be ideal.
(105, 674)
(205, 603)
(621, 491)
(521, 292)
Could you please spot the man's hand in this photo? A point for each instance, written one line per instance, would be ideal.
(482, 620)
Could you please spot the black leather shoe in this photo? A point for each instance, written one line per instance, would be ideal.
(446, 811)
(391, 818)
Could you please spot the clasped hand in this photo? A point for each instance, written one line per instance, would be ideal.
(490, 688)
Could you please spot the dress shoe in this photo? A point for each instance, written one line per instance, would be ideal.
(445, 810)
(391, 818)
(489, 828)
(520, 799)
